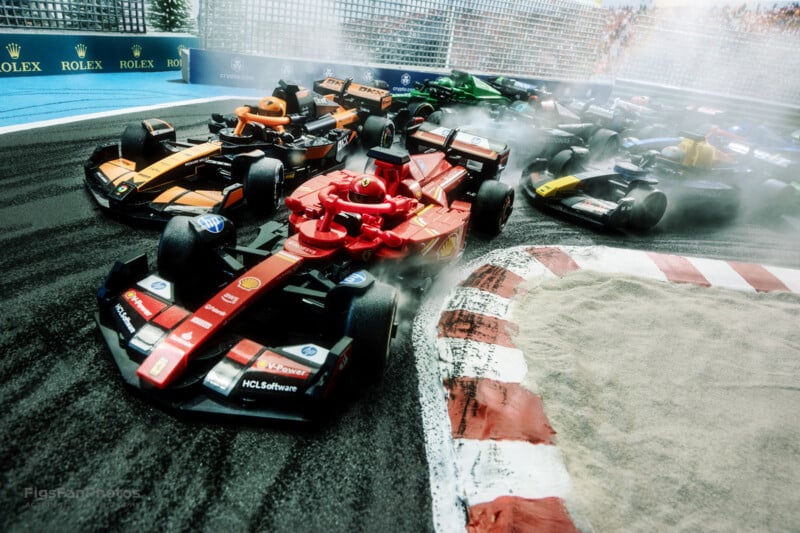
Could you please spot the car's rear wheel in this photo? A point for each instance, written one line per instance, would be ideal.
(492, 208)
(263, 185)
(371, 324)
(378, 131)
(604, 143)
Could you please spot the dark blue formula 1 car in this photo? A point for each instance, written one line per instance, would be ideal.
(624, 198)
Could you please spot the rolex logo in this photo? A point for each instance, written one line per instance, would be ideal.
(16, 66)
(13, 50)
(82, 64)
(137, 63)
(181, 48)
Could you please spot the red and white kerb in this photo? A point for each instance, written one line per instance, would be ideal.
(509, 473)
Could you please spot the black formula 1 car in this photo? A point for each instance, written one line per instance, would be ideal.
(517, 90)
(278, 328)
(624, 198)
(250, 156)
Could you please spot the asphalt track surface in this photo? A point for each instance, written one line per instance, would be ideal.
(80, 453)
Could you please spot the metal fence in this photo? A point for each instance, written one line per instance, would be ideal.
(534, 38)
(120, 16)
(539, 39)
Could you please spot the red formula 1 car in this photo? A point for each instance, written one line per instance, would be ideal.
(272, 329)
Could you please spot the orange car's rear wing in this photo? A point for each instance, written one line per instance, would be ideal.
(350, 94)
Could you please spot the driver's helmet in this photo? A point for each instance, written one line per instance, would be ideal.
(367, 190)
(271, 107)
(673, 153)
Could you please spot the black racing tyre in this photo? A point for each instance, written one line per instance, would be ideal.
(648, 208)
(493, 205)
(604, 143)
(138, 145)
(378, 131)
(371, 324)
(186, 253)
(177, 248)
(562, 163)
(263, 185)
(142, 141)
(437, 117)
(776, 197)
(133, 142)
(420, 109)
(705, 200)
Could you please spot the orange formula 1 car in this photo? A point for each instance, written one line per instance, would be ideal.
(249, 157)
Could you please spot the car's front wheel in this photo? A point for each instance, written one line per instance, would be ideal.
(493, 206)
(141, 141)
(371, 324)
(186, 250)
(648, 208)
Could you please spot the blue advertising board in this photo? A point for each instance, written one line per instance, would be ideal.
(239, 70)
(31, 54)
(263, 72)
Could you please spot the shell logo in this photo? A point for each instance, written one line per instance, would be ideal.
(249, 283)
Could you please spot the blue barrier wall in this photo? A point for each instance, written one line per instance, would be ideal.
(260, 72)
(31, 54)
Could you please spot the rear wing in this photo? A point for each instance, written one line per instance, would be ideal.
(350, 95)
(485, 156)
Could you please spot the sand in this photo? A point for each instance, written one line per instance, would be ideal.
(676, 407)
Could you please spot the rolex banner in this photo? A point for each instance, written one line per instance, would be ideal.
(31, 54)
